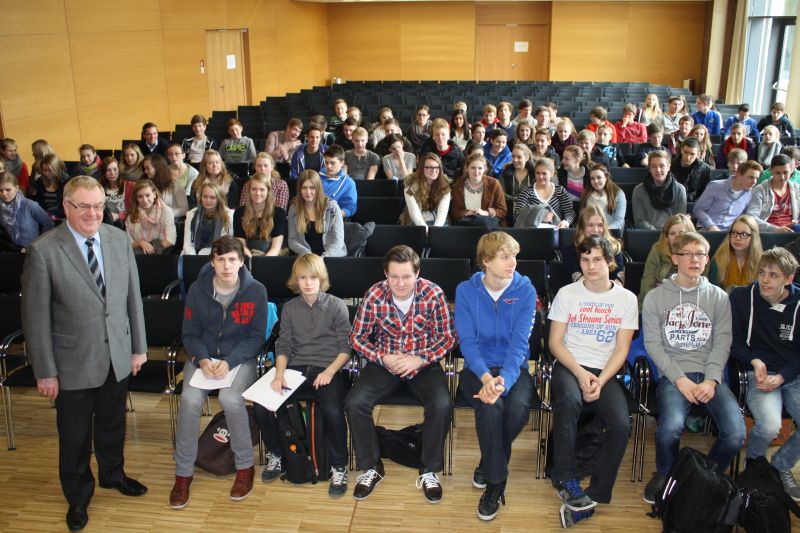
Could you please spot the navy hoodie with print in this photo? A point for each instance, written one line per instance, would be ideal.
(495, 334)
(233, 335)
(766, 332)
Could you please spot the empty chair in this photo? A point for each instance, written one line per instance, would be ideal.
(189, 267)
(11, 267)
(352, 276)
(273, 273)
(638, 242)
(386, 236)
(446, 273)
(158, 274)
(14, 369)
(633, 175)
(770, 239)
(454, 241)
(378, 188)
(534, 243)
(378, 210)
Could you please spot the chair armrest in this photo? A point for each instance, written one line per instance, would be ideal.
(172, 361)
(168, 289)
(4, 346)
(642, 381)
(738, 382)
(354, 366)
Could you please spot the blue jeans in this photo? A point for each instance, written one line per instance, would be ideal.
(673, 407)
(498, 424)
(611, 407)
(767, 409)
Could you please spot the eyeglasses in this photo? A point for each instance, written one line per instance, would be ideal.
(437, 169)
(88, 207)
(741, 235)
(689, 255)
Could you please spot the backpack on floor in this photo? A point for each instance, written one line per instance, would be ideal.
(303, 447)
(214, 453)
(696, 497)
(765, 505)
(403, 446)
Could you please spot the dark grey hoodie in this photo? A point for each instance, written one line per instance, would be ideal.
(687, 330)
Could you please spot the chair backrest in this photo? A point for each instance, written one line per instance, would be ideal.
(156, 271)
(386, 236)
(11, 313)
(273, 273)
(163, 320)
(447, 273)
(633, 276)
(638, 242)
(534, 243)
(455, 241)
(379, 210)
(189, 268)
(351, 277)
(776, 238)
(536, 270)
(633, 175)
(714, 238)
(11, 267)
(378, 188)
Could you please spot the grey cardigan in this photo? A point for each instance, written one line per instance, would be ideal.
(332, 232)
(762, 202)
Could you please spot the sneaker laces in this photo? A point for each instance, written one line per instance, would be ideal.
(573, 488)
(788, 479)
(494, 493)
(428, 480)
(368, 477)
(273, 461)
(338, 476)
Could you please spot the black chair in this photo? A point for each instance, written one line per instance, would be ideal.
(633, 175)
(386, 236)
(447, 273)
(241, 170)
(714, 238)
(189, 268)
(351, 277)
(378, 210)
(454, 241)
(274, 273)
(378, 188)
(638, 242)
(536, 270)
(14, 369)
(770, 239)
(633, 276)
(11, 267)
(158, 274)
(534, 243)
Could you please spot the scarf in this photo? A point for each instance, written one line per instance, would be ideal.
(13, 165)
(201, 222)
(661, 196)
(151, 227)
(90, 169)
(417, 134)
(767, 151)
(730, 145)
(8, 216)
(558, 145)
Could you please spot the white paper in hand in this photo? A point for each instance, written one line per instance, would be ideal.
(200, 381)
(262, 393)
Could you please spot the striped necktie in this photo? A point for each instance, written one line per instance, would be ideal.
(94, 266)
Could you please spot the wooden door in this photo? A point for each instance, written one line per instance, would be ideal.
(512, 52)
(227, 69)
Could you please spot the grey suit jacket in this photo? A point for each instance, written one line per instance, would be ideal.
(70, 331)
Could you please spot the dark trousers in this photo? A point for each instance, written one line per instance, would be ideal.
(498, 424)
(81, 413)
(331, 404)
(375, 385)
(612, 408)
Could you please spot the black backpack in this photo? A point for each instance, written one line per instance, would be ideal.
(697, 497)
(765, 505)
(214, 453)
(303, 446)
(403, 446)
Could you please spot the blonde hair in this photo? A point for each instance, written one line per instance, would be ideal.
(583, 219)
(203, 177)
(259, 227)
(220, 211)
(310, 265)
(724, 253)
(320, 204)
(662, 245)
(493, 243)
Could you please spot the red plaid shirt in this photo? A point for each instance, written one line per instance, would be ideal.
(426, 330)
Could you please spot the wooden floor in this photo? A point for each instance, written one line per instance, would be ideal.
(31, 499)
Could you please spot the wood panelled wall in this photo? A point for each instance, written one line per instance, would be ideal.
(402, 41)
(659, 42)
(75, 71)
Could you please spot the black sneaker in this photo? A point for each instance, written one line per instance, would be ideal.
(431, 486)
(478, 481)
(572, 494)
(366, 482)
(338, 485)
(653, 487)
(569, 517)
(273, 469)
(489, 505)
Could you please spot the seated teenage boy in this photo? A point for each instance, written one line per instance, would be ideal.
(724, 200)
(496, 152)
(446, 148)
(314, 340)
(592, 324)
(403, 328)
(495, 380)
(686, 322)
(764, 318)
(336, 183)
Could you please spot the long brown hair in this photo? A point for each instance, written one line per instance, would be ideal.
(162, 180)
(133, 217)
(724, 253)
(427, 195)
(611, 189)
(259, 227)
(320, 204)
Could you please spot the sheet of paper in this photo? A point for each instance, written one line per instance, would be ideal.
(230, 59)
(200, 381)
(520, 46)
(262, 393)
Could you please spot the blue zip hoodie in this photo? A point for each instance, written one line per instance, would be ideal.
(495, 334)
(769, 333)
(235, 334)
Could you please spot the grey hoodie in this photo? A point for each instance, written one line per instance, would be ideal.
(687, 330)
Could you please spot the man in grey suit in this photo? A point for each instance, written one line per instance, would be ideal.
(84, 328)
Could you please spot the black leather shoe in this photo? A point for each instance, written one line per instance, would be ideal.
(127, 486)
(77, 517)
